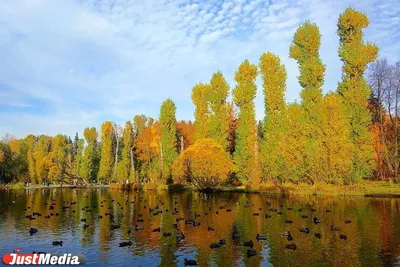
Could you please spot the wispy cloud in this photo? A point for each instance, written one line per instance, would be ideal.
(66, 65)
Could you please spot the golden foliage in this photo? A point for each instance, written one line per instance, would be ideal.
(205, 164)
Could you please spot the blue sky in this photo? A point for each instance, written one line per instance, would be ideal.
(66, 65)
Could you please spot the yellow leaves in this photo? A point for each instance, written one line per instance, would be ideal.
(1, 156)
(148, 143)
(350, 24)
(206, 163)
(14, 145)
(306, 42)
(246, 73)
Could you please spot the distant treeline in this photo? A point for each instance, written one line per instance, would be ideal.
(341, 137)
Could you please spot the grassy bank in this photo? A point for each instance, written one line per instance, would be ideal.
(367, 188)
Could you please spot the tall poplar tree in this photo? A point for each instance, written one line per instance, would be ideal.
(90, 158)
(305, 50)
(31, 142)
(168, 142)
(107, 156)
(273, 75)
(218, 121)
(354, 90)
(246, 152)
(201, 114)
(127, 170)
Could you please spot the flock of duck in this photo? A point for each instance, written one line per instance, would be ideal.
(179, 235)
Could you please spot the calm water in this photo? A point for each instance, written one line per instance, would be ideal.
(373, 236)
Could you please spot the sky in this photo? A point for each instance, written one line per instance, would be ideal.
(67, 65)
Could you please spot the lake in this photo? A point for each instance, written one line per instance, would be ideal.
(372, 236)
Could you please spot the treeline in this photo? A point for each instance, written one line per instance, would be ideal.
(341, 137)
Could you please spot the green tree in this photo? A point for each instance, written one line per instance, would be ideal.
(200, 99)
(273, 75)
(42, 162)
(139, 123)
(354, 90)
(305, 49)
(218, 121)
(107, 156)
(168, 141)
(127, 170)
(90, 158)
(246, 151)
(79, 146)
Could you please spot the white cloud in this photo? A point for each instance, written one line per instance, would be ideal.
(66, 65)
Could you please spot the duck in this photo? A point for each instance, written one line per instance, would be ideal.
(158, 229)
(210, 228)
(58, 243)
(180, 236)
(287, 233)
(125, 244)
(196, 224)
(291, 246)
(215, 245)
(342, 236)
(304, 216)
(189, 262)
(261, 237)
(347, 221)
(166, 234)
(256, 214)
(273, 210)
(268, 204)
(279, 212)
(33, 231)
(305, 230)
(116, 226)
(267, 216)
(174, 225)
(138, 227)
(288, 221)
(222, 242)
(251, 252)
(235, 235)
(290, 238)
(316, 220)
(328, 211)
(317, 235)
(248, 243)
(335, 228)
(189, 222)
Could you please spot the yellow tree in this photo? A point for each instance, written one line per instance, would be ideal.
(201, 114)
(354, 90)
(273, 75)
(305, 50)
(336, 146)
(90, 167)
(219, 117)
(31, 142)
(205, 164)
(106, 159)
(42, 161)
(246, 151)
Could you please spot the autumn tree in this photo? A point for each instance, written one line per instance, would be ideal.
(127, 169)
(185, 132)
(90, 161)
(106, 159)
(201, 114)
(246, 151)
(354, 91)
(218, 120)
(139, 123)
(168, 151)
(205, 164)
(273, 75)
(42, 160)
(31, 143)
(305, 50)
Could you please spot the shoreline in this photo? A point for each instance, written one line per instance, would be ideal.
(366, 188)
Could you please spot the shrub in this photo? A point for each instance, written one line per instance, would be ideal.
(205, 164)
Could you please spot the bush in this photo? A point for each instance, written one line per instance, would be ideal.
(205, 164)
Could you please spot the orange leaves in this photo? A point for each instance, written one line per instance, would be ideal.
(148, 143)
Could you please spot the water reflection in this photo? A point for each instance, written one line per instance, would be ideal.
(95, 221)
